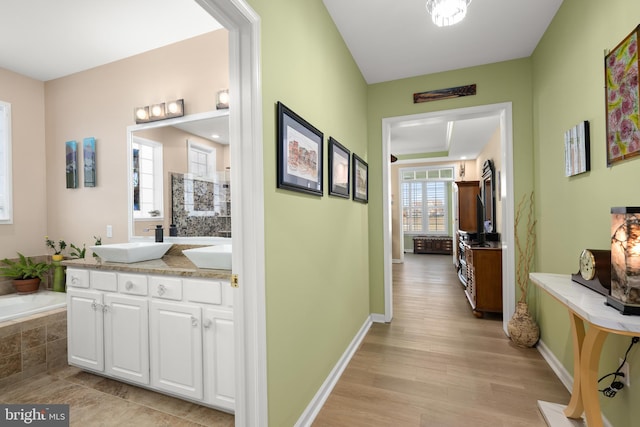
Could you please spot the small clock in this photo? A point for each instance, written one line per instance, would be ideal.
(594, 270)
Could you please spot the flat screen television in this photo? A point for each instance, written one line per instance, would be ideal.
(480, 237)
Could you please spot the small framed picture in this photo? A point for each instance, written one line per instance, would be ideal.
(339, 168)
(299, 153)
(71, 160)
(360, 179)
(89, 155)
(577, 150)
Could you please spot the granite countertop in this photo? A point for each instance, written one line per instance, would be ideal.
(173, 263)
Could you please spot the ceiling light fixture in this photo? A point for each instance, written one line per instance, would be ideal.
(447, 12)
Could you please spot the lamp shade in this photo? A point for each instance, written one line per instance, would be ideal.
(625, 259)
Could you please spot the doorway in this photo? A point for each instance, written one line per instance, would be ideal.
(245, 129)
(505, 190)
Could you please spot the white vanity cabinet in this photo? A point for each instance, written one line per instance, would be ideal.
(170, 334)
(107, 332)
(176, 348)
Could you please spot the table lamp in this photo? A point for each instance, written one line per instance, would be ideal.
(625, 260)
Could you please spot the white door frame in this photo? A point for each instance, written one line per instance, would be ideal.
(247, 225)
(503, 110)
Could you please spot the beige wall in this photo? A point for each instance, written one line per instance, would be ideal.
(26, 234)
(99, 103)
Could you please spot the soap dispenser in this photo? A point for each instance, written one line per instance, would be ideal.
(159, 234)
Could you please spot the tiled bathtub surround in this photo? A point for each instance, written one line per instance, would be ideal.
(200, 207)
(32, 345)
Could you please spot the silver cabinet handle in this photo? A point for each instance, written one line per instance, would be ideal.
(194, 322)
(161, 289)
(207, 323)
(74, 280)
(129, 285)
(95, 306)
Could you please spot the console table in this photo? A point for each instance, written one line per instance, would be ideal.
(585, 306)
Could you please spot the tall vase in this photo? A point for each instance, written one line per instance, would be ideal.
(523, 330)
(58, 273)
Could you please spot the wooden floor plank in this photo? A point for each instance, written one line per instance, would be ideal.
(437, 365)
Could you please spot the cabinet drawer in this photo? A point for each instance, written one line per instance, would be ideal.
(135, 284)
(165, 287)
(203, 291)
(104, 280)
(77, 278)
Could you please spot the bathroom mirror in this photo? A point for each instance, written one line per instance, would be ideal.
(179, 173)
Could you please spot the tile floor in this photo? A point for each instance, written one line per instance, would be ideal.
(98, 401)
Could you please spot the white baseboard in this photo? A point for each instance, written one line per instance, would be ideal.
(561, 372)
(377, 318)
(397, 261)
(310, 413)
(558, 368)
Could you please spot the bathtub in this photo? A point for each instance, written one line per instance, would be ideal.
(14, 306)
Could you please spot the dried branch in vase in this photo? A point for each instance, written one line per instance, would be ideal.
(525, 249)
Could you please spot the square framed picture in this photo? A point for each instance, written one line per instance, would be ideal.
(339, 168)
(622, 82)
(360, 180)
(299, 153)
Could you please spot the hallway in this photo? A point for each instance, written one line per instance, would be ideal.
(436, 365)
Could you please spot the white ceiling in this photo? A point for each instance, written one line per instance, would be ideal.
(47, 39)
(389, 40)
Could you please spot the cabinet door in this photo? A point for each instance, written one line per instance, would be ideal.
(176, 348)
(126, 337)
(84, 329)
(219, 354)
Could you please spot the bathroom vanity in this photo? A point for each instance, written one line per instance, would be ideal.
(162, 324)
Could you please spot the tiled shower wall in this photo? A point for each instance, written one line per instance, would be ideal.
(32, 345)
(200, 207)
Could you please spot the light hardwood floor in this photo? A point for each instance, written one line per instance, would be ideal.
(437, 365)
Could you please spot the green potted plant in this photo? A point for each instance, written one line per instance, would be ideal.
(26, 273)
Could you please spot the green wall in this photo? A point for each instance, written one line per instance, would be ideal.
(317, 266)
(574, 213)
(496, 83)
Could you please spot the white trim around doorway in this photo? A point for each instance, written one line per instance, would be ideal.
(247, 175)
(504, 111)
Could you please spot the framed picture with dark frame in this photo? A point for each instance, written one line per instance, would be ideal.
(622, 99)
(360, 180)
(339, 168)
(577, 150)
(299, 153)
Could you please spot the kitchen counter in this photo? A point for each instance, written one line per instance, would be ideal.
(173, 263)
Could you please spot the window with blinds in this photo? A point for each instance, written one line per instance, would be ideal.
(425, 200)
(6, 212)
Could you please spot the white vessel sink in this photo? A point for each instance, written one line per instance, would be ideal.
(217, 257)
(131, 252)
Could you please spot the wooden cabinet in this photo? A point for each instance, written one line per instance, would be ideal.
(219, 365)
(432, 245)
(468, 192)
(484, 278)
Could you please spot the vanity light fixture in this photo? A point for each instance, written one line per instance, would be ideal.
(447, 12)
(222, 99)
(160, 111)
